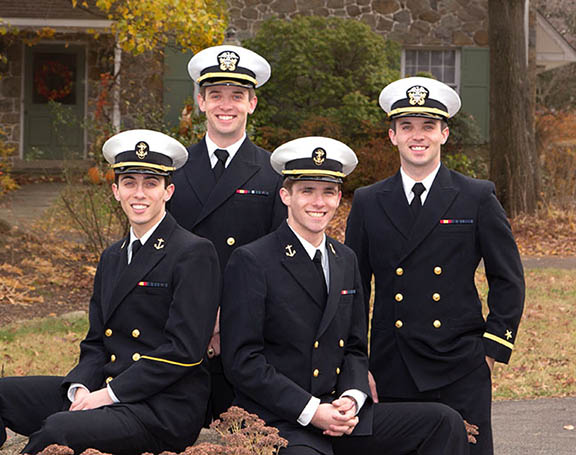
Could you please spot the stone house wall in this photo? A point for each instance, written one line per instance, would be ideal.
(410, 22)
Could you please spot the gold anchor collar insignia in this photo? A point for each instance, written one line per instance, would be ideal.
(123, 244)
(332, 249)
(290, 251)
(417, 95)
(228, 60)
(319, 156)
(142, 149)
(159, 244)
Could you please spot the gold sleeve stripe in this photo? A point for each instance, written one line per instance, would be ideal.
(171, 362)
(498, 340)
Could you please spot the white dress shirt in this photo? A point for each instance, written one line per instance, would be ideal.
(231, 149)
(408, 182)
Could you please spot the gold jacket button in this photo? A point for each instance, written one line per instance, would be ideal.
(113, 358)
(399, 271)
(437, 324)
(438, 270)
(399, 324)
(436, 297)
(136, 357)
(341, 343)
(230, 241)
(399, 297)
(333, 392)
(337, 370)
(316, 372)
(135, 333)
(108, 332)
(316, 344)
(108, 379)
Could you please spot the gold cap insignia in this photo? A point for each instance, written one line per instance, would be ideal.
(141, 150)
(228, 60)
(319, 156)
(289, 251)
(417, 95)
(159, 244)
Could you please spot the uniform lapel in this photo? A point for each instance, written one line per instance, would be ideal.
(442, 194)
(393, 200)
(199, 172)
(336, 279)
(147, 258)
(299, 265)
(241, 168)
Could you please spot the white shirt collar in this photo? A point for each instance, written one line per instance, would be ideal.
(142, 239)
(231, 149)
(408, 182)
(311, 251)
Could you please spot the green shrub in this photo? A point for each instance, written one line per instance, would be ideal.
(322, 68)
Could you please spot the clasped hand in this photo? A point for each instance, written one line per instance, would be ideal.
(337, 418)
(85, 400)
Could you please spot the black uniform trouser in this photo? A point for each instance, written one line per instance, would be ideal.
(471, 396)
(34, 406)
(221, 391)
(403, 429)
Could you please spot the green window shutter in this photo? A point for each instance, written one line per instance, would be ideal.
(475, 86)
(177, 84)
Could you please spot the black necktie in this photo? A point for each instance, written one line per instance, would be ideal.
(136, 245)
(416, 203)
(318, 264)
(222, 156)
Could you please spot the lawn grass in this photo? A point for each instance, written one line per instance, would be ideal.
(542, 364)
(41, 346)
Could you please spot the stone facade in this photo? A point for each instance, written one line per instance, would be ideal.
(411, 22)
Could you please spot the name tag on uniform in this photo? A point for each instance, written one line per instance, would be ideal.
(347, 291)
(457, 221)
(253, 192)
(152, 284)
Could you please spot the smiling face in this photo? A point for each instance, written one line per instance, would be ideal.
(419, 141)
(226, 109)
(311, 206)
(143, 198)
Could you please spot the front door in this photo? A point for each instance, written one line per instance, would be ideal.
(54, 98)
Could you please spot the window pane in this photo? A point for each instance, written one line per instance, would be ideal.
(437, 72)
(450, 58)
(411, 58)
(423, 59)
(437, 58)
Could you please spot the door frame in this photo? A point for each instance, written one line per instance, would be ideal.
(84, 45)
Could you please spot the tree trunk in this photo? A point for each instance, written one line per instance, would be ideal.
(514, 164)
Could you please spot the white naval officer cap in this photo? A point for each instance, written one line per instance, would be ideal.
(314, 158)
(144, 152)
(229, 65)
(419, 97)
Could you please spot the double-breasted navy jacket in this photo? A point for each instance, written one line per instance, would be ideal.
(150, 323)
(242, 206)
(427, 321)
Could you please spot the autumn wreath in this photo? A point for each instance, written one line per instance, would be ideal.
(54, 80)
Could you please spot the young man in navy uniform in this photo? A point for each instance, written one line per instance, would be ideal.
(294, 332)
(140, 384)
(227, 191)
(422, 234)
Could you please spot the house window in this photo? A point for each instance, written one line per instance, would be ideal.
(443, 64)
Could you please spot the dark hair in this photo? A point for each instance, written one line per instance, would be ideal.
(251, 91)
(167, 179)
(443, 123)
(288, 183)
